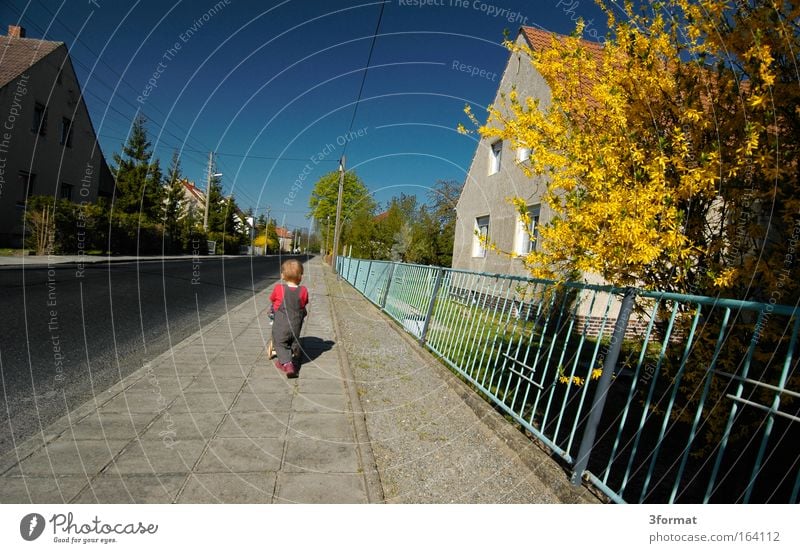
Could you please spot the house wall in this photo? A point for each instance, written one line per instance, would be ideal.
(486, 194)
(23, 149)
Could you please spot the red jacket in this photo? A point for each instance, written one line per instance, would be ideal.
(277, 297)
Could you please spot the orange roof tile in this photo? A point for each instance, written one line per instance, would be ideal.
(193, 190)
(541, 40)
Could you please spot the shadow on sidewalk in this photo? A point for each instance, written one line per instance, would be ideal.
(312, 347)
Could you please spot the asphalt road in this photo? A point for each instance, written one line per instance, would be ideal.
(65, 336)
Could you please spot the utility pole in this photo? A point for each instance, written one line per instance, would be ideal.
(266, 229)
(208, 189)
(338, 215)
(308, 236)
(327, 236)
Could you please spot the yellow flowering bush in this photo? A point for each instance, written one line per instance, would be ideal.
(656, 146)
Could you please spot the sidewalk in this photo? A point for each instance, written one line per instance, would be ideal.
(371, 418)
(212, 420)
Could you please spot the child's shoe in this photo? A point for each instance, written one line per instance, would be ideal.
(289, 369)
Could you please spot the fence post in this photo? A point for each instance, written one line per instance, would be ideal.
(424, 334)
(366, 278)
(599, 400)
(388, 285)
(355, 278)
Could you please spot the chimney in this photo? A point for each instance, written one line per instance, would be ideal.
(15, 31)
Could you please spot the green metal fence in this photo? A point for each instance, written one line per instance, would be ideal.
(653, 397)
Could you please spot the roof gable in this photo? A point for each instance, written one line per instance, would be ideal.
(19, 54)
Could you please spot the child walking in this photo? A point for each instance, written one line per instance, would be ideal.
(289, 301)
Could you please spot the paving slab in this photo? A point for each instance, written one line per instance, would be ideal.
(321, 403)
(314, 455)
(184, 426)
(215, 384)
(335, 427)
(319, 386)
(316, 370)
(229, 488)
(149, 457)
(320, 488)
(203, 402)
(66, 456)
(257, 424)
(41, 489)
(264, 402)
(113, 488)
(110, 426)
(236, 455)
(140, 402)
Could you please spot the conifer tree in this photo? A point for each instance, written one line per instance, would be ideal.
(139, 186)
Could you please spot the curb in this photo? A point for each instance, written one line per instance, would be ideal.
(91, 260)
(372, 478)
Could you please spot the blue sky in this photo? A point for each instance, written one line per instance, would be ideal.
(271, 85)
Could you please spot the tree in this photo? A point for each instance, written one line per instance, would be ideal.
(174, 207)
(356, 202)
(272, 241)
(442, 200)
(423, 240)
(652, 145)
(393, 228)
(217, 206)
(139, 186)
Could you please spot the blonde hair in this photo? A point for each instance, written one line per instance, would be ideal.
(292, 271)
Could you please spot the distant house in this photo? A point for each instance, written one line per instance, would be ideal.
(194, 200)
(285, 237)
(48, 145)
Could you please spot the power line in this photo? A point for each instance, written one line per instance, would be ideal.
(274, 158)
(364, 78)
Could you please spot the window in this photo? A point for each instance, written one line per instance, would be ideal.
(480, 237)
(25, 184)
(66, 132)
(523, 154)
(66, 191)
(39, 124)
(494, 157)
(523, 242)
